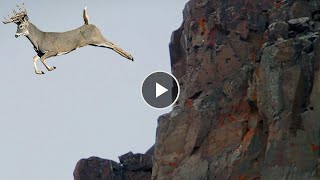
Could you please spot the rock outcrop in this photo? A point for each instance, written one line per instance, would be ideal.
(249, 106)
(131, 167)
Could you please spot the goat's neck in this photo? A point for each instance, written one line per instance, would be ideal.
(35, 36)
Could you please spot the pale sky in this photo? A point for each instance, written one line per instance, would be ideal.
(91, 104)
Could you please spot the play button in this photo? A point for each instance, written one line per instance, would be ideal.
(160, 89)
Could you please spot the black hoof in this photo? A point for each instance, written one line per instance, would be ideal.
(54, 67)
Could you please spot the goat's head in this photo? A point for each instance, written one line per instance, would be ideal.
(21, 19)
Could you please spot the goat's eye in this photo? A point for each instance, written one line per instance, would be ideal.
(20, 26)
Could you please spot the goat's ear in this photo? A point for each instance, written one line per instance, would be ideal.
(25, 18)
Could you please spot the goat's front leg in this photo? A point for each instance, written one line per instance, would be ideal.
(44, 57)
(35, 59)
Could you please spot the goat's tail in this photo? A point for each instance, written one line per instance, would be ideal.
(85, 16)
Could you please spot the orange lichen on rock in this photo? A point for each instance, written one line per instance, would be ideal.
(241, 107)
(240, 111)
(202, 23)
(247, 137)
(254, 56)
(279, 4)
(225, 118)
(211, 39)
(254, 95)
(314, 148)
(173, 164)
(258, 73)
(189, 103)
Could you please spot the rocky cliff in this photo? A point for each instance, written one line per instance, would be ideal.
(249, 106)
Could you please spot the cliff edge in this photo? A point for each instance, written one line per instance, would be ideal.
(249, 105)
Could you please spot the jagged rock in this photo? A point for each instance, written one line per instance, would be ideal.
(278, 30)
(136, 175)
(314, 6)
(299, 25)
(150, 151)
(300, 9)
(193, 168)
(136, 162)
(314, 26)
(311, 37)
(298, 21)
(95, 168)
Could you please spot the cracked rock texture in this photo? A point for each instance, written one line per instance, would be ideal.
(250, 93)
(249, 106)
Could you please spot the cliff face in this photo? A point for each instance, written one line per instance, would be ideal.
(250, 93)
(249, 106)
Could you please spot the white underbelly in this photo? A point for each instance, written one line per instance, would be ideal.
(62, 53)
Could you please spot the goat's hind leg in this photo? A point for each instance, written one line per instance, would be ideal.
(46, 56)
(35, 59)
(110, 45)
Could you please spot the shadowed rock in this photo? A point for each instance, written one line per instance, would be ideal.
(136, 162)
(95, 168)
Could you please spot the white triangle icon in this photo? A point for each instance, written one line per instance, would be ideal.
(160, 90)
